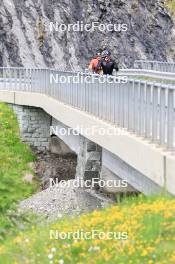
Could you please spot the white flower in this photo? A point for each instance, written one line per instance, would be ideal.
(50, 256)
(61, 261)
(90, 249)
(53, 249)
(94, 249)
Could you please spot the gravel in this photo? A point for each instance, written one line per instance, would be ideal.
(58, 201)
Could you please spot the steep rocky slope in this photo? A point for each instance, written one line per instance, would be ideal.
(25, 38)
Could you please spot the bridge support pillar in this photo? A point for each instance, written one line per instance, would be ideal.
(34, 124)
(89, 160)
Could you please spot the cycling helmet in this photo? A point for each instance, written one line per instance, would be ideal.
(105, 53)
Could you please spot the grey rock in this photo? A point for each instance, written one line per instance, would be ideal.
(150, 32)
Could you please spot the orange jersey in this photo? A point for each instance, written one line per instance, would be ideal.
(93, 64)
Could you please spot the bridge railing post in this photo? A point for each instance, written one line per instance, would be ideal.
(131, 105)
(155, 114)
(148, 106)
(171, 121)
(163, 116)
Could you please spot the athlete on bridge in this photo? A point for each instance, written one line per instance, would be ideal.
(106, 63)
(94, 62)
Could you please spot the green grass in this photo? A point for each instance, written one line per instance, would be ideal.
(14, 159)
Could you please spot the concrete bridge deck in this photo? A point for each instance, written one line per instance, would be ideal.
(142, 150)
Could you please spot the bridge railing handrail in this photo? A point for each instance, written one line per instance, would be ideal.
(123, 72)
(155, 65)
(146, 109)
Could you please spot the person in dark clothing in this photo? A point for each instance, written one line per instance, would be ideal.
(107, 64)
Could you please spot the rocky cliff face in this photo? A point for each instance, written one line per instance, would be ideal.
(26, 39)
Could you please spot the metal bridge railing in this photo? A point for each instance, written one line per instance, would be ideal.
(143, 108)
(155, 65)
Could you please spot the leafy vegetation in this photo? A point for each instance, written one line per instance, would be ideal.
(14, 159)
(148, 222)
